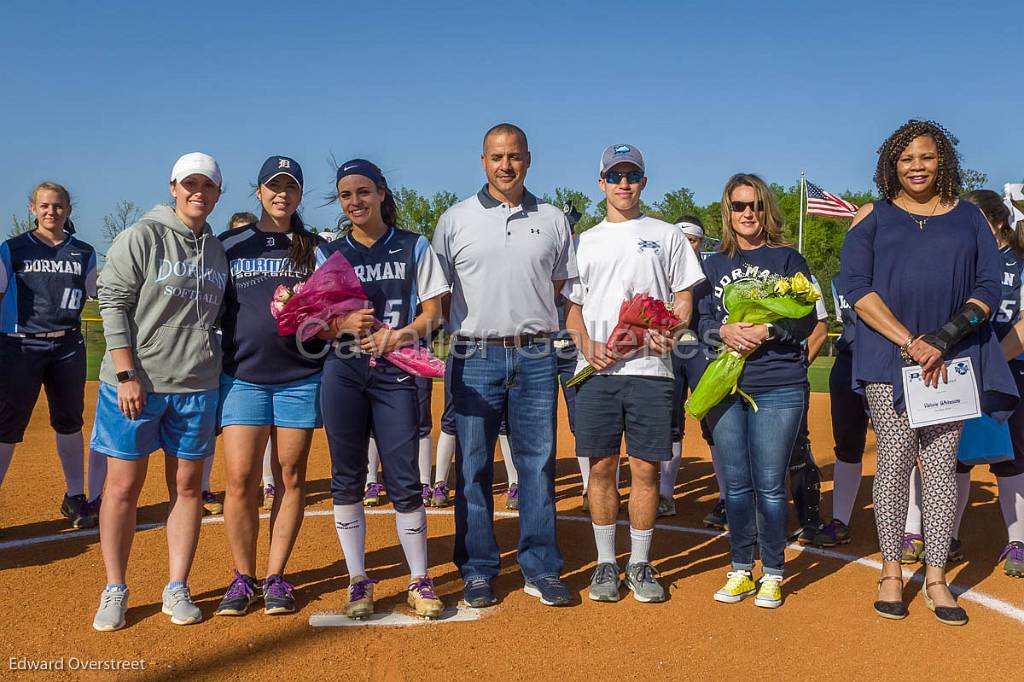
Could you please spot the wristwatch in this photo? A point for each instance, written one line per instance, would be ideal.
(126, 375)
(771, 332)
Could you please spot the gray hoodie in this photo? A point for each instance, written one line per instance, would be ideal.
(161, 292)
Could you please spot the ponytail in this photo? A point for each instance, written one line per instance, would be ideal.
(389, 208)
(302, 251)
(999, 215)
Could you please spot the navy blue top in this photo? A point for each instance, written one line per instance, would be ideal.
(398, 272)
(780, 362)
(924, 276)
(1004, 317)
(43, 286)
(847, 316)
(253, 350)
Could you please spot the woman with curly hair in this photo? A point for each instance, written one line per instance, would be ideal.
(922, 271)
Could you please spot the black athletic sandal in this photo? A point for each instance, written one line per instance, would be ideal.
(949, 615)
(893, 610)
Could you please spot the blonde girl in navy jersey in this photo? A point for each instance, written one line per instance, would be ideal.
(45, 275)
(399, 271)
(269, 389)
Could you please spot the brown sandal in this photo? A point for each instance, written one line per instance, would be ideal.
(893, 610)
(949, 615)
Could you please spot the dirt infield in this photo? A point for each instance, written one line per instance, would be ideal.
(826, 628)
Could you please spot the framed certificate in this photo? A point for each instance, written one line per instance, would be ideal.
(953, 401)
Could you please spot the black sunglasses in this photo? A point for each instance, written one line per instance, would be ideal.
(633, 177)
(742, 206)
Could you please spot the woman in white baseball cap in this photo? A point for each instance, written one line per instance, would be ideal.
(160, 293)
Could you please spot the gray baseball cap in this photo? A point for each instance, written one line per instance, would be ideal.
(621, 153)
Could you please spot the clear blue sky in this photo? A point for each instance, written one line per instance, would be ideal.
(103, 96)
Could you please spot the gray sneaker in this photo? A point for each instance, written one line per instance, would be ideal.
(110, 614)
(640, 579)
(666, 507)
(604, 584)
(179, 606)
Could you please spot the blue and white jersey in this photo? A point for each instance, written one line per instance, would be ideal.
(253, 350)
(398, 272)
(847, 317)
(43, 286)
(1010, 303)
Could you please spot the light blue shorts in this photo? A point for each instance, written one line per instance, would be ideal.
(183, 425)
(295, 405)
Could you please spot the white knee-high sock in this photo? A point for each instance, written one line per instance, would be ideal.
(914, 506)
(71, 450)
(426, 450)
(373, 461)
(445, 455)
(604, 538)
(412, 534)
(845, 485)
(718, 471)
(207, 470)
(669, 471)
(268, 470)
(510, 466)
(350, 522)
(584, 471)
(1011, 502)
(97, 474)
(6, 453)
(639, 545)
(963, 493)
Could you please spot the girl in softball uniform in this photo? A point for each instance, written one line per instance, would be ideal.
(45, 275)
(399, 271)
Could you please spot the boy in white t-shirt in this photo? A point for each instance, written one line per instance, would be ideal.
(628, 253)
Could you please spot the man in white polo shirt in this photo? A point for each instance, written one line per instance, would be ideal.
(506, 254)
(628, 253)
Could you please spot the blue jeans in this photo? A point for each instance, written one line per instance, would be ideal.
(753, 450)
(486, 381)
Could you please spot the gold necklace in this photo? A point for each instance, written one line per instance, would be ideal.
(921, 221)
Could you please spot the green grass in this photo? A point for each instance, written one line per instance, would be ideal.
(818, 374)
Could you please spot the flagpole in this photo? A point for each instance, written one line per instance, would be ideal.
(800, 232)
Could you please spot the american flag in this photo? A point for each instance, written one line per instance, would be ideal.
(821, 202)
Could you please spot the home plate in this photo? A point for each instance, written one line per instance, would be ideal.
(335, 619)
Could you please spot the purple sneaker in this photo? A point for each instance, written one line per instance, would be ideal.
(277, 596)
(374, 496)
(426, 492)
(512, 501)
(913, 548)
(439, 498)
(1014, 555)
(833, 533)
(240, 596)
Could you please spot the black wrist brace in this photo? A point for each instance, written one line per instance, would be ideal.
(964, 321)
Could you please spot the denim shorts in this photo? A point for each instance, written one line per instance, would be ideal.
(640, 407)
(183, 425)
(294, 405)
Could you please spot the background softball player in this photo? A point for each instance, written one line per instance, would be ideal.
(45, 276)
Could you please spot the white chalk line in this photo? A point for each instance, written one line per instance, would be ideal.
(972, 595)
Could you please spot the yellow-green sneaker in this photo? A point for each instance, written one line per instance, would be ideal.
(738, 586)
(769, 593)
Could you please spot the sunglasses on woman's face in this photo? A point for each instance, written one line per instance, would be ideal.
(742, 206)
(615, 177)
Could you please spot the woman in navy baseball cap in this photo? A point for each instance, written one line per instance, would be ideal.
(269, 389)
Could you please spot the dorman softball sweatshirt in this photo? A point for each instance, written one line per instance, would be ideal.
(161, 293)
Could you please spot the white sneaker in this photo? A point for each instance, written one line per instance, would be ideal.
(110, 614)
(179, 606)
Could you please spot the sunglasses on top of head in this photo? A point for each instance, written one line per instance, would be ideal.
(742, 206)
(633, 177)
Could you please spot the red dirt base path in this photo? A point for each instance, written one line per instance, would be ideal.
(825, 629)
